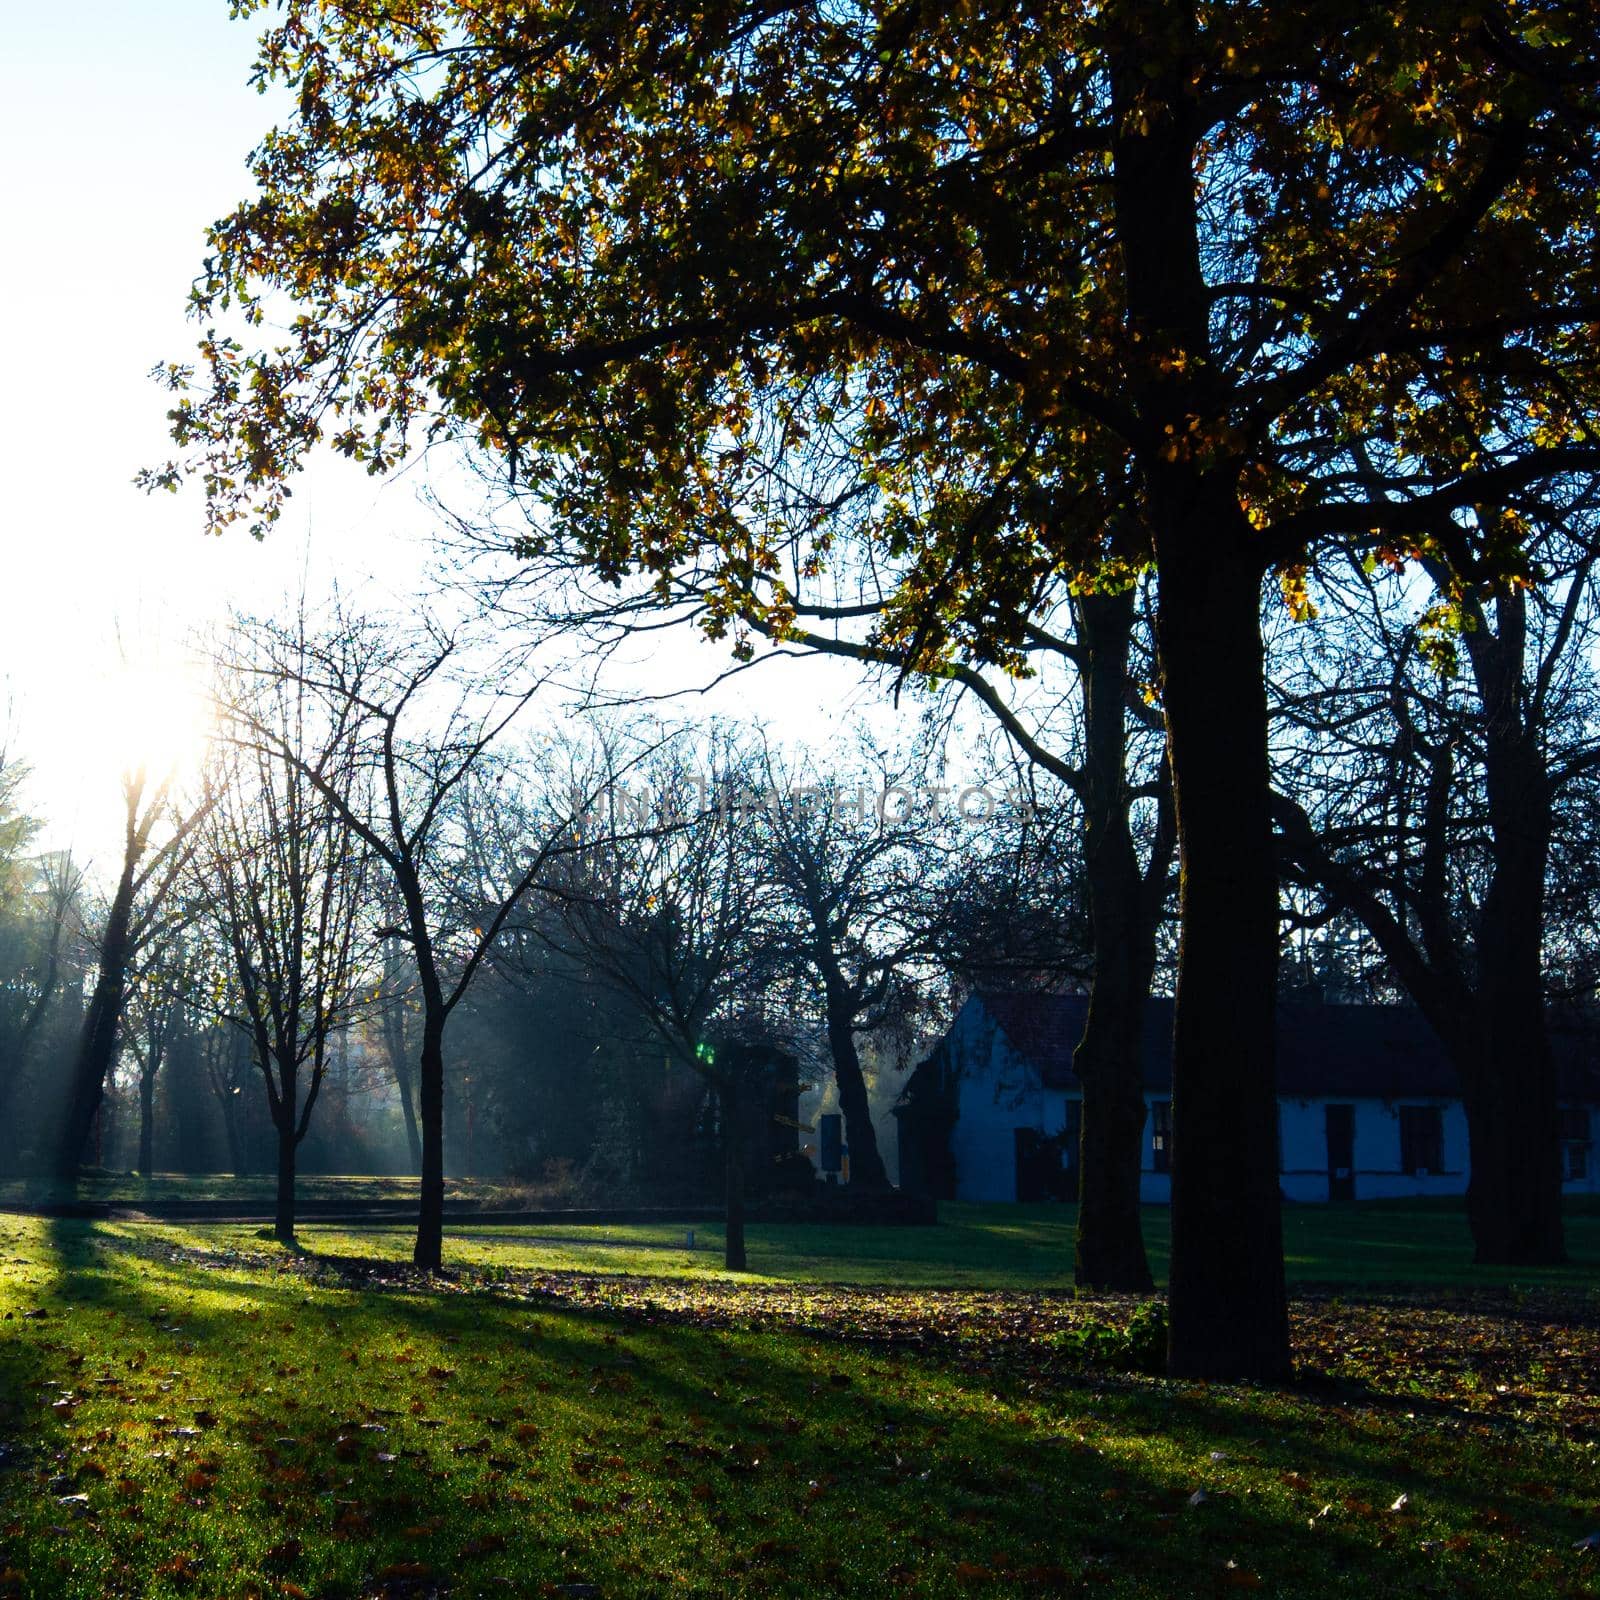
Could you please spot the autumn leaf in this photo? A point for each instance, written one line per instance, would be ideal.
(282, 1556)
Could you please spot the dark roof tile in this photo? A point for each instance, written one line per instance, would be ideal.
(1354, 1052)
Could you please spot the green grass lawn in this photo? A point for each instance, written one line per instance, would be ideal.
(198, 1413)
(1403, 1244)
(1368, 1244)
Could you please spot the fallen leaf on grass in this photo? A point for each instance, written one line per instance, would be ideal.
(282, 1556)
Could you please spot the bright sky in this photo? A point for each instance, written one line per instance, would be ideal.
(124, 129)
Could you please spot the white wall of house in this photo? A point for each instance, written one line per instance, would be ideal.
(1000, 1092)
(994, 1104)
(1376, 1165)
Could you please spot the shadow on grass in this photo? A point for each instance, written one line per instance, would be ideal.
(253, 1428)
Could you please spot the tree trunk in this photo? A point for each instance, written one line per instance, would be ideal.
(733, 1253)
(866, 1163)
(1110, 1251)
(97, 1048)
(1510, 1089)
(287, 1110)
(408, 1111)
(1228, 1310)
(97, 1043)
(429, 1251)
(230, 1131)
(11, 1068)
(1513, 1121)
(10, 1142)
(1514, 1193)
(147, 1123)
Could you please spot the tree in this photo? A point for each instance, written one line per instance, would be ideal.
(227, 1059)
(1076, 702)
(396, 1001)
(160, 835)
(670, 910)
(286, 882)
(1435, 773)
(40, 932)
(156, 1002)
(1124, 284)
(418, 717)
(855, 867)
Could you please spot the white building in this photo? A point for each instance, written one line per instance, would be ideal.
(1368, 1106)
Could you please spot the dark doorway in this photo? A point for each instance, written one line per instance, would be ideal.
(1341, 1126)
(1042, 1171)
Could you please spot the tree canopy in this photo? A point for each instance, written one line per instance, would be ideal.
(710, 276)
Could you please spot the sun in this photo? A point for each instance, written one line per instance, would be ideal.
(159, 721)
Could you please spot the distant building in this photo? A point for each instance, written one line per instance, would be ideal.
(1368, 1104)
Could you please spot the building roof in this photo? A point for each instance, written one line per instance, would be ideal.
(1325, 1052)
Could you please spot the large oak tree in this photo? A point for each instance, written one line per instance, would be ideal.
(1176, 259)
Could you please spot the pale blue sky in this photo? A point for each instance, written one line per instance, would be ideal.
(124, 128)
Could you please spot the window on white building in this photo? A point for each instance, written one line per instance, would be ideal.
(1421, 1140)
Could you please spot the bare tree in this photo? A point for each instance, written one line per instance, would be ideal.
(286, 881)
(158, 998)
(857, 866)
(420, 711)
(1435, 746)
(160, 834)
(672, 912)
(1067, 673)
